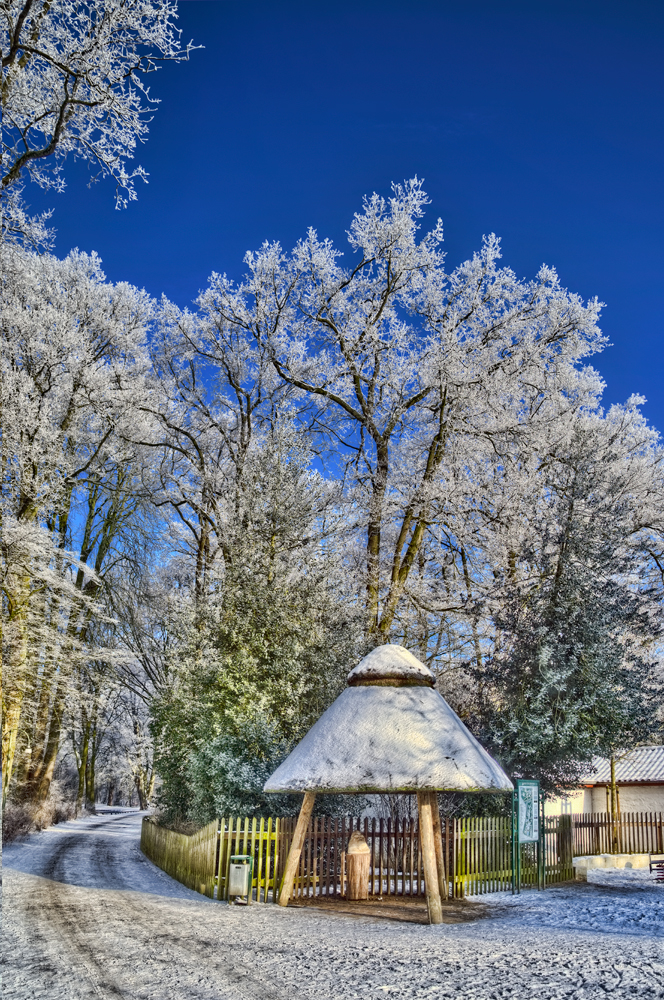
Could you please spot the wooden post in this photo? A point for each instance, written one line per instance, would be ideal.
(428, 848)
(293, 860)
(438, 841)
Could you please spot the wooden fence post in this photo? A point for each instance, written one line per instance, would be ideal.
(293, 861)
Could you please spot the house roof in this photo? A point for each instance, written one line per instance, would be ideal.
(389, 731)
(641, 765)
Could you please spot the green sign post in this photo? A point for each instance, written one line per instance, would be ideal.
(527, 828)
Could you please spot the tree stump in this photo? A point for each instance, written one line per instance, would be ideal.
(357, 867)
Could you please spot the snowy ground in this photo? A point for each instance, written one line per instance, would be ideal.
(87, 916)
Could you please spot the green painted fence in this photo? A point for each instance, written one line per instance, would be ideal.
(266, 840)
(479, 849)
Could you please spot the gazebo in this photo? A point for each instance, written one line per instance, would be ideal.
(389, 731)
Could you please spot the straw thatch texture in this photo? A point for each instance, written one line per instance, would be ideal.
(389, 739)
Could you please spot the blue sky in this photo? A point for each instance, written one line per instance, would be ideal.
(540, 121)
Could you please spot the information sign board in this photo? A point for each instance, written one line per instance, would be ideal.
(528, 810)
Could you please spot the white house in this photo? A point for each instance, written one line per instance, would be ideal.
(639, 781)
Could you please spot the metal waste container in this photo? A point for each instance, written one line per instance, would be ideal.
(240, 874)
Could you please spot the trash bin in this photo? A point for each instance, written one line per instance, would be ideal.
(357, 866)
(240, 874)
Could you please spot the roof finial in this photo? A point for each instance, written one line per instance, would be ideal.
(390, 666)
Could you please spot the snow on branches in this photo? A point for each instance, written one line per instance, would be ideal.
(73, 373)
(328, 455)
(74, 84)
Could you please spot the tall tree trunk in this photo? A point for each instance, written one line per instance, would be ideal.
(25, 743)
(15, 671)
(379, 485)
(43, 777)
(473, 623)
(40, 731)
(90, 774)
(413, 525)
(144, 786)
(614, 806)
(81, 766)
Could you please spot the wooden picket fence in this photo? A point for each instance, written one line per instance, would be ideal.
(190, 860)
(477, 852)
(201, 861)
(396, 860)
(630, 833)
(480, 855)
(266, 840)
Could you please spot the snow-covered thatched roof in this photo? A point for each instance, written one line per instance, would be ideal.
(389, 731)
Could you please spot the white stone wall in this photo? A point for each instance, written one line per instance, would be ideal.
(577, 801)
(633, 798)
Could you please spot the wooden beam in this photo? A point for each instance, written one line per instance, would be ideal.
(429, 857)
(438, 841)
(286, 887)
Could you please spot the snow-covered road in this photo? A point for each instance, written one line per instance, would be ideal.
(87, 916)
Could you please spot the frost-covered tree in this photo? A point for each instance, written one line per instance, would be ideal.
(263, 655)
(214, 392)
(73, 370)
(577, 612)
(413, 377)
(564, 685)
(74, 83)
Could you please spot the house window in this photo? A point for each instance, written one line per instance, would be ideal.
(565, 807)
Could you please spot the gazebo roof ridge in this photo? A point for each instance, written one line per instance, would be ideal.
(390, 666)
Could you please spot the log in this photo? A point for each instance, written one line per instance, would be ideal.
(286, 887)
(429, 858)
(357, 863)
(438, 841)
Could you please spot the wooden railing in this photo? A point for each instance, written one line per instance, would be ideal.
(477, 851)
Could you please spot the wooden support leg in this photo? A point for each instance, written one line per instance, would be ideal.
(438, 841)
(429, 858)
(293, 860)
